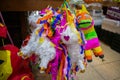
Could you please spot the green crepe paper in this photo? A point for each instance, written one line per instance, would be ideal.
(84, 24)
(90, 35)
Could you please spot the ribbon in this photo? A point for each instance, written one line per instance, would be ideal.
(56, 20)
(41, 31)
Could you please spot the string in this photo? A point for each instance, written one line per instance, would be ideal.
(7, 31)
(3, 42)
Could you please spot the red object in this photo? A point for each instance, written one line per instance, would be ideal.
(21, 68)
(3, 31)
(26, 41)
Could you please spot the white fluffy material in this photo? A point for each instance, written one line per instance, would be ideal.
(45, 50)
(74, 51)
(32, 19)
(72, 36)
(73, 47)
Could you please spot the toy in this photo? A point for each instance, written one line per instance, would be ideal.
(57, 42)
(86, 24)
(12, 67)
(38, 45)
(9, 69)
(46, 47)
(72, 39)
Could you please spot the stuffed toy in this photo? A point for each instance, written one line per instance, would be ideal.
(13, 67)
(86, 24)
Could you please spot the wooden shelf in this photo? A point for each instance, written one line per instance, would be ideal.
(108, 3)
(28, 5)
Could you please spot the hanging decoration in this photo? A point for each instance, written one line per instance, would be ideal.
(3, 31)
(86, 24)
(12, 66)
(61, 41)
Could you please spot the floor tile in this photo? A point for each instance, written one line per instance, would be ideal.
(117, 78)
(109, 71)
(90, 74)
(110, 56)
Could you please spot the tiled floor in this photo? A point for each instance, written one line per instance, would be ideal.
(98, 70)
(107, 70)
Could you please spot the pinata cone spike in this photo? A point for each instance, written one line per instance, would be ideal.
(3, 31)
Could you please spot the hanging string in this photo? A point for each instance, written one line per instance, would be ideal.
(7, 31)
(3, 42)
